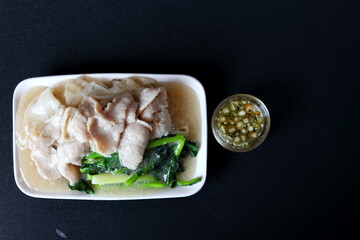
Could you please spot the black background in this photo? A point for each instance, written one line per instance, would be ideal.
(301, 58)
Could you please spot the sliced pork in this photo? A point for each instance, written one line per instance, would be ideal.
(72, 151)
(154, 110)
(69, 171)
(133, 144)
(73, 144)
(69, 155)
(104, 134)
(116, 110)
(105, 127)
(42, 155)
(85, 114)
(131, 112)
(147, 96)
(89, 107)
(161, 124)
(44, 148)
(74, 125)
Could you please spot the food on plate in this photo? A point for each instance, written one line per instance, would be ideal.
(96, 133)
(239, 122)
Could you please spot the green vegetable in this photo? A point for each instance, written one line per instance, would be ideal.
(161, 163)
(173, 165)
(145, 181)
(189, 183)
(179, 146)
(138, 184)
(109, 178)
(171, 169)
(165, 140)
(152, 185)
(173, 156)
(82, 186)
(151, 159)
(190, 149)
(92, 155)
(95, 163)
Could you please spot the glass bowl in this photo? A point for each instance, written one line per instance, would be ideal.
(226, 139)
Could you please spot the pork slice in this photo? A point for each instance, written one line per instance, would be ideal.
(157, 104)
(98, 127)
(72, 151)
(73, 144)
(44, 148)
(69, 156)
(131, 112)
(69, 171)
(105, 134)
(117, 109)
(147, 96)
(74, 125)
(161, 125)
(106, 127)
(147, 125)
(42, 155)
(156, 112)
(133, 144)
(89, 107)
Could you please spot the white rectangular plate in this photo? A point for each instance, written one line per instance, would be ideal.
(191, 82)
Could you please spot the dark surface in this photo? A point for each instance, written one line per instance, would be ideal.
(302, 59)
